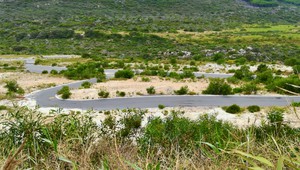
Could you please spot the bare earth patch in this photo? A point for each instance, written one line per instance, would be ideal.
(137, 87)
(31, 81)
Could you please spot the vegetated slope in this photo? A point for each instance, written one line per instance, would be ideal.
(113, 13)
(125, 28)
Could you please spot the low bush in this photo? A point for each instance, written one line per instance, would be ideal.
(121, 94)
(145, 79)
(151, 90)
(103, 94)
(44, 72)
(86, 85)
(296, 104)
(13, 87)
(182, 91)
(161, 106)
(64, 92)
(2, 107)
(253, 108)
(233, 109)
(127, 74)
(218, 87)
(54, 72)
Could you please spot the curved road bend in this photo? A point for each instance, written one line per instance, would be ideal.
(46, 98)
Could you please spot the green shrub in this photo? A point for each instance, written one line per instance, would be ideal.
(182, 91)
(103, 94)
(296, 104)
(249, 88)
(237, 90)
(161, 106)
(54, 72)
(64, 92)
(233, 109)
(218, 87)
(127, 74)
(121, 94)
(145, 79)
(44, 72)
(13, 87)
(81, 71)
(37, 61)
(253, 108)
(151, 90)
(2, 107)
(86, 85)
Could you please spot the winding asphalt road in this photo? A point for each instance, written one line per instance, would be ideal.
(46, 98)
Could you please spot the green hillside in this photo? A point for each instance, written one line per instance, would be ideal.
(116, 28)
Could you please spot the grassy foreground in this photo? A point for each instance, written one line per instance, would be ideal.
(29, 139)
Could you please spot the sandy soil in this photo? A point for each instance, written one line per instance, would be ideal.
(137, 87)
(30, 81)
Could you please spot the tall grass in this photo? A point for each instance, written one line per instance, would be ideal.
(29, 139)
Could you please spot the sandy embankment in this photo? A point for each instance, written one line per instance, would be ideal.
(30, 81)
(137, 87)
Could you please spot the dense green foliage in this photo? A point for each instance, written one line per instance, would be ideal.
(218, 87)
(253, 108)
(127, 74)
(84, 71)
(13, 87)
(233, 109)
(64, 92)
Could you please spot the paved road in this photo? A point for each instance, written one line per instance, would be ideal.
(29, 65)
(46, 98)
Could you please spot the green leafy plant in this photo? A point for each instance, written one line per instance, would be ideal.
(233, 109)
(151, 90)
(182, 91)
(253, 108)
(64, 92)
(103, 94)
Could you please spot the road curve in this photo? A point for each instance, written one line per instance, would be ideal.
(46, 98)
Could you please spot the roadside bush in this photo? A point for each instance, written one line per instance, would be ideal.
(54, 72)
(44, 72)
(237, 90)
(244, 73)
(121, 94)
(127, 74)
(2, 107)
(86, 85)
(182, 91)
(151, 90)
(64, 92)
(145, 79)
(218, 87)
(265, 77)
(283, 85)
(83, 71)
(253, 108)
(249, 88)
(103, 94)
(233, 109)
(296, 104)
(161, 106)
(13, 87)
(37, 61)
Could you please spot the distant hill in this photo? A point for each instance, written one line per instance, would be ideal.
(210, 13)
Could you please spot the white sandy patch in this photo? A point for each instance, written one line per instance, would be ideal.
(133, 88)
(31, 81)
